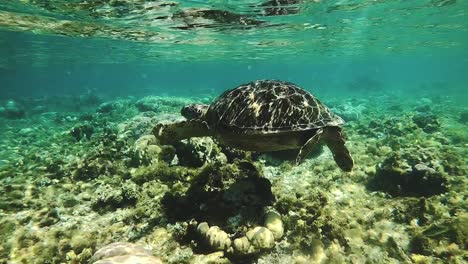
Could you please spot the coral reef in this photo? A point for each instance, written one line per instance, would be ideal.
(349, 111)
(464, 117)
(253, 241)
(195, 152)
(108, 197)
(142, 124)
(407, 174)
(12, 110)
(108, 107)
(85, 130)
(65, 196)
(214, 236)
(274, 223)
(146, 151)
(159, 104)
(219, 193)
(427, 122)
(125, 253)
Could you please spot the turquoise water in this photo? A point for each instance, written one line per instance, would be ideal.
(320, 44)
(83, 83)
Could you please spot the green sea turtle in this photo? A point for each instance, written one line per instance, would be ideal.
(263, 116)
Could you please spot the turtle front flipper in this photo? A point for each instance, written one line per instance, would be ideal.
(309, 146)
(171, 133)
(336, 143)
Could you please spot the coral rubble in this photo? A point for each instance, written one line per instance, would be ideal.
(73, 181)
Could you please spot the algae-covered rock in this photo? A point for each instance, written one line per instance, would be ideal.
(12, 197)
(442, 238)
(47, 216)
(242, 246)
(130, 259)
(316, 215)
(463, 118)
(104, 159)
(7, 228)
(161, 171)
(310, 221)
(274, 223)
(226, 199)
(203, 228)
(124, 253)
(349, 111)
(429, 123)
(261, 238)
(118, 249)
(109, 197)
(212, 258)
(138, 125)
(107, 107)
(217, 238)
(233, 154)
(119, 106)
(162, 241)
(146, 151)
(197, 151)
(399, 126)
(145, 141)
(26, 132)
(408, 175)
(253, 242)
(13, 110)
(161, 104)
(147, 212)
(218, 192)
(80, 131)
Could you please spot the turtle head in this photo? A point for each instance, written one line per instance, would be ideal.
(194, 111)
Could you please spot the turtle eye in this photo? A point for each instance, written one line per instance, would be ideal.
(189, 112)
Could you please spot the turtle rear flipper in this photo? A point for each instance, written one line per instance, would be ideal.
(309, 146)
(336, 143)
(171, 133)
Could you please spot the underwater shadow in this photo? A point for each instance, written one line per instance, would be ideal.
(230, 196)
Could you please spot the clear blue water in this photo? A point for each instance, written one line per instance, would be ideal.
(83, 83)
(442, 71)
(321, 45)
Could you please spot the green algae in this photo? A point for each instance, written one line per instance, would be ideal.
(405, 175)
(75, 197)
(162, 172)
(109, 198)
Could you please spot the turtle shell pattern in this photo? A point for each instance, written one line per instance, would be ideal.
(269, 106)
